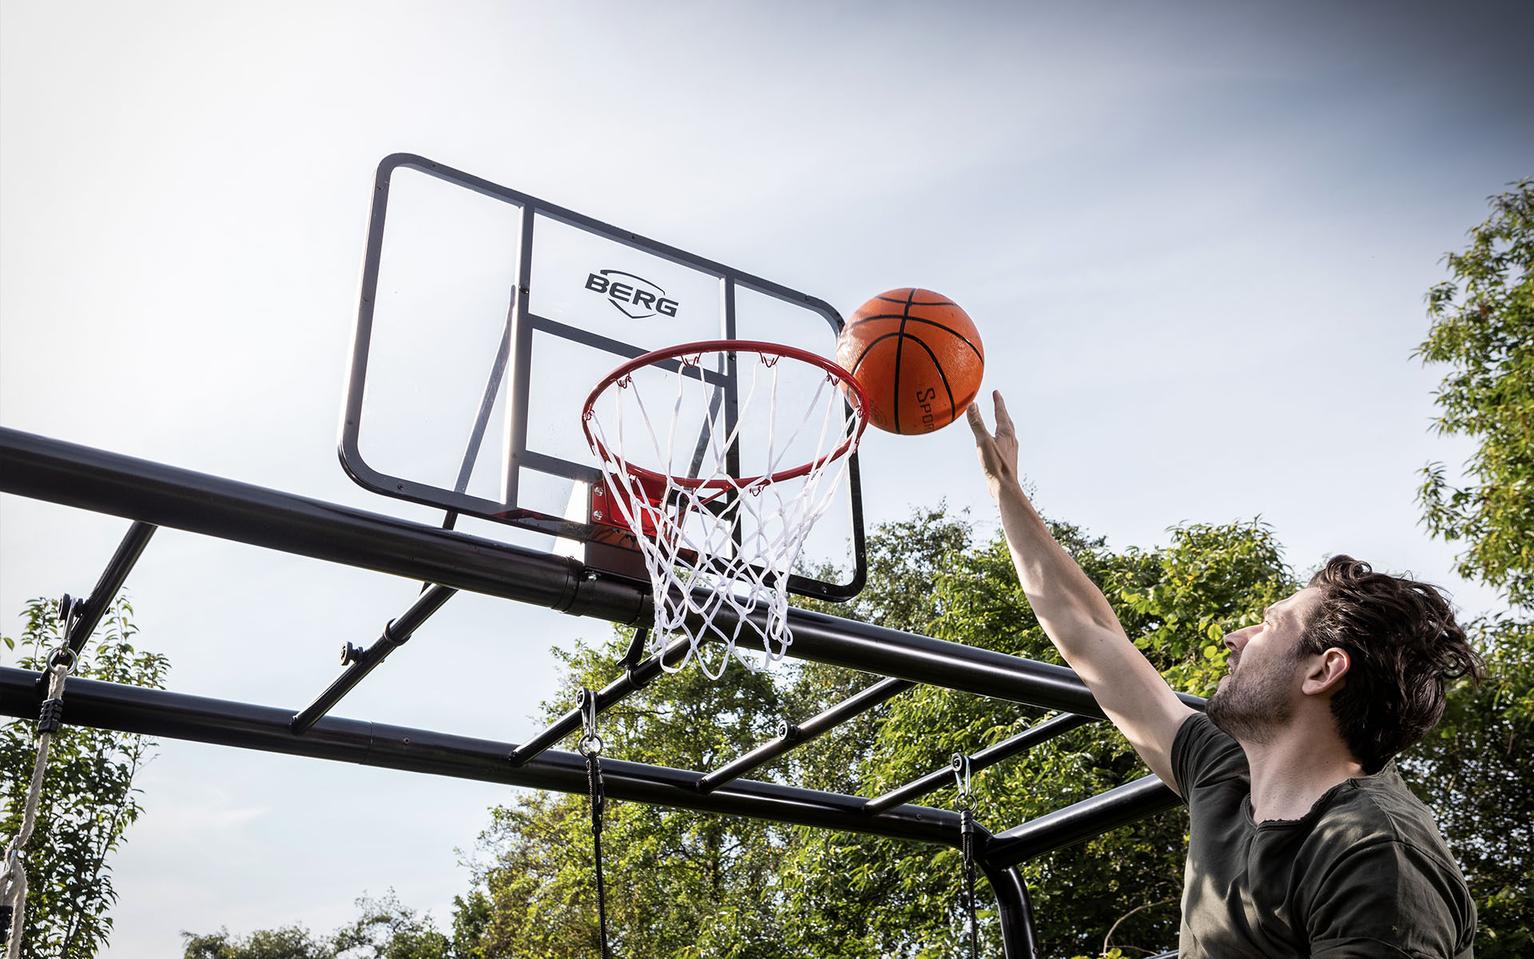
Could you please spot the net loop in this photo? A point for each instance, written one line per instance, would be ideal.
(719, 462)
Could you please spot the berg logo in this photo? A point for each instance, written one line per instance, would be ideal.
(633, 296)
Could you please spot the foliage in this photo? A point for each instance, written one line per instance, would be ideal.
(88, 799)
(288, 942)
(1483, 327)
(383, 929)
(678, 883)
(1473, 768)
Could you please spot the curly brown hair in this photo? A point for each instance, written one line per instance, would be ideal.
(1404, 647)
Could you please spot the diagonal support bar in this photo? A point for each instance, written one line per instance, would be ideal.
(361, 662)
(633, 679)
(790, 736)
(1119, 806)
(112, 578)
(989, 756)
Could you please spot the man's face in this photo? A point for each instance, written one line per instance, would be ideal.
(1259, 694)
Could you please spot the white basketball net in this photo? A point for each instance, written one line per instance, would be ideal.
(720, 543)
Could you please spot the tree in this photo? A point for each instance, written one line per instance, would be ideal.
(1473, 768)
(88, 798)
(1483, 328)
(383, 929)
(678, 883)
(1473, 771)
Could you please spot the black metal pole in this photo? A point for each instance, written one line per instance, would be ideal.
(361, 662)
(59, 472)
(1018, 938)
(112, 578)
(790, 736)
(632, 680)
(989, 756)
(1124, 804)
(155, 712)
(78, 476)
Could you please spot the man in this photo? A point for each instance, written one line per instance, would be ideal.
(1304, 841)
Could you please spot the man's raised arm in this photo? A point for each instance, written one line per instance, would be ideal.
(1073, 611)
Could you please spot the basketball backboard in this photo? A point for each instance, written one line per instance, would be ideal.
(486, 318)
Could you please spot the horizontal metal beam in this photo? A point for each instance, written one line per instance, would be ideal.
(790, 736)
(989, 756)
(360, 663)
(86, 478)
(170, 715)
(1124, 804)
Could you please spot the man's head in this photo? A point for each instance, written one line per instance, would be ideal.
(1375, 650)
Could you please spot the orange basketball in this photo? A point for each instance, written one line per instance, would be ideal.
(918, 357)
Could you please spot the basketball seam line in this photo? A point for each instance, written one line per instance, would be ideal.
(896, 299)
(953, 411)
(917, 319)
(953, 404)
(869, 348)
(899, 346)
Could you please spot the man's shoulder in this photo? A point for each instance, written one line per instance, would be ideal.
(1375, 857)
(1381, 809)
(1203, 754)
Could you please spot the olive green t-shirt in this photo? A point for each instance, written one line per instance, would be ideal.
(1364, 873)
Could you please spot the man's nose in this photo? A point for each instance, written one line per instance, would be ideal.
(1235, 641)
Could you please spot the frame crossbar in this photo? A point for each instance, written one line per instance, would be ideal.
(985, 758)
(791, 735)
(59, 472)
(633, 679)
(361, 662)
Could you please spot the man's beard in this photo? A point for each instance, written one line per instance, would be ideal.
(1250, 708)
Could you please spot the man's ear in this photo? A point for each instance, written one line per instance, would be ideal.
(1325, 673)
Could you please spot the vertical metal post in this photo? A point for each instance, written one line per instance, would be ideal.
(731, 398)
(1018, 939)
(521, 360)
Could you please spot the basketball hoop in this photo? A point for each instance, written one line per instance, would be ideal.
(720, 541)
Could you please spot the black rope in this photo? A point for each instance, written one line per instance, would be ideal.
(591, 748)
(967, 841)
(598, 801)
(961, 774)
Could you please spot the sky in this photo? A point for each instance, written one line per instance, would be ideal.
(1195, 237)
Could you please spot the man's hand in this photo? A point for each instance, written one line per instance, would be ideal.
(998, 453)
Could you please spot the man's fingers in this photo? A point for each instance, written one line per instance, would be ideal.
(1003, 418)
(977, 422)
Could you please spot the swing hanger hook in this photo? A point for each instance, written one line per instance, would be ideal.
(962, 779)
(591, 743)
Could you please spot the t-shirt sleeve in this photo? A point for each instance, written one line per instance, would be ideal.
(1389, 898)
(1203, 755)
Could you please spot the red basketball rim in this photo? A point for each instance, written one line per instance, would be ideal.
(760, 347)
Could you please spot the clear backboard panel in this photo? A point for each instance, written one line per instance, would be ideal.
(487, 317)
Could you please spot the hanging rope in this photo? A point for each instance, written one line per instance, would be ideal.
(591, 748)
(961, 775)
(13, 875)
